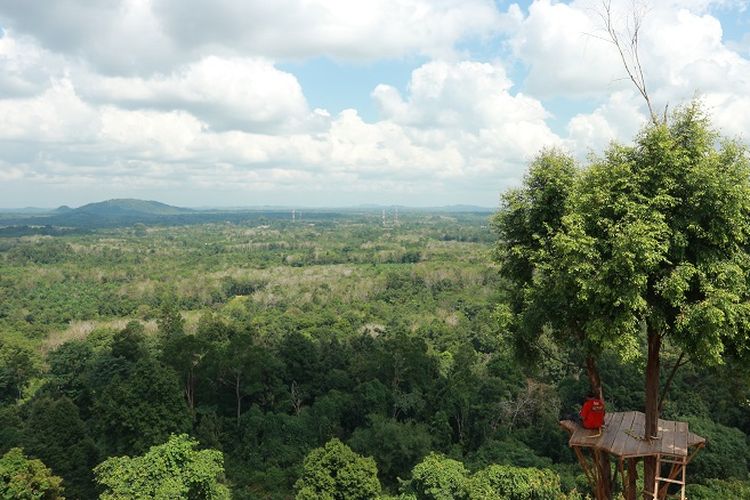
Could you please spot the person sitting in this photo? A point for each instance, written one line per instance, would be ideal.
(592, 413)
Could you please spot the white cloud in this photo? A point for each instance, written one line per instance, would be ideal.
(468, 105)
(26, 69)
(56, 115)
(228, 93)
(566, 50)
(560, 44)
(155, 94)
(618, 119)
(457, 123)
(146, 36)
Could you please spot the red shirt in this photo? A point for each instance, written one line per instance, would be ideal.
(592, 413)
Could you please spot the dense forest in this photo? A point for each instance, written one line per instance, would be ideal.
(331, 357)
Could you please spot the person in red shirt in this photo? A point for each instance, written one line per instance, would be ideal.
(592, 413)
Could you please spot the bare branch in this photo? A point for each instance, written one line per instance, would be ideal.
(629, 54)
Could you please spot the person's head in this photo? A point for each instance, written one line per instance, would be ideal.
(592, 395)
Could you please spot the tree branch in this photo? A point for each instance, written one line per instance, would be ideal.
(630, 57)
(668, 383)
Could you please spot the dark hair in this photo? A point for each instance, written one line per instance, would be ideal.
(592, 395)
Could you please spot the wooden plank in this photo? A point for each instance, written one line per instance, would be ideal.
(623, 434)
(568, 425)
(610, 432)
(624, 439)
(681, 439)
(638, 429)
(695, 440)
(666, 434)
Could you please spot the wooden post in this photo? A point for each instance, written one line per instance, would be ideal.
(630, 491)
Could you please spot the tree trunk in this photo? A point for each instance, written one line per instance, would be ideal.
(238, 397)
(593, 374)
(190, 390)
(601, 459)
(631, 494)
(652, 405)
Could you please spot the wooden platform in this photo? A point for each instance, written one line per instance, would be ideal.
(622, 436)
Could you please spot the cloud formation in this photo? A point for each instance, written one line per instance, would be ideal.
(187, 101)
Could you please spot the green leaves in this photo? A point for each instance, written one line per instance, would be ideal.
(171, 470)
(651, 233)
(438, 477)
(336, 472)
(22, 478)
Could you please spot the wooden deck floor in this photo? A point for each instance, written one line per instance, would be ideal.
(623, 433)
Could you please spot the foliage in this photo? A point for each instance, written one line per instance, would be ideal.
(439, 478)
(336, 472)
(54, 432)
(288, 335)
(141, 408)
(174, 469)
(17, 367)
(22, 478)
(396, 446)
(515, 483)
(716, 489)
(726, 454)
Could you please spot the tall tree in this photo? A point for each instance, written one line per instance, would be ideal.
(656, 236)
(649, 242)
(17, 367)
(174, 469)
(335, 472)
(55, 433)
(141, 409)
(22, 478)
(543, 295)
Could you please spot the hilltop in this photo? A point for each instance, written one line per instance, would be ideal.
(129, 207)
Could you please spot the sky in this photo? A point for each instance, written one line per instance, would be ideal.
(337, 102)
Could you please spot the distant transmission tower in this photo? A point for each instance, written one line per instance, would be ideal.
(384, 217)
(294, 215)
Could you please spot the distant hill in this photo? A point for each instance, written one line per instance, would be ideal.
(127, 212)
(128, 207)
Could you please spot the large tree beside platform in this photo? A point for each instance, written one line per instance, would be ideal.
(651, 246)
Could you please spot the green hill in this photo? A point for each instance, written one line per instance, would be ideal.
(127, 206)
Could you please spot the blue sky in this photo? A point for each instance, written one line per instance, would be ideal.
(332, 102)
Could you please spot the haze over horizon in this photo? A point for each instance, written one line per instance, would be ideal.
(328, 103)
(253, 207)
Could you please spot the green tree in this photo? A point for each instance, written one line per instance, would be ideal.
(335, 472)
(17, 366)
(186, 354)
(141, 409)
(657, 237)
(726, 455)
(171, 470)
(67, 369)
(22, 478)
(515, 483)
(170, 321)
(54, 433)
(653, 240)
(543, 295)
(397, 446)
(718, 489)
(438, 478)
(526, 224)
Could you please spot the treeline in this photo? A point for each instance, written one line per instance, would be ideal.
(266, 392)
(268, 379)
